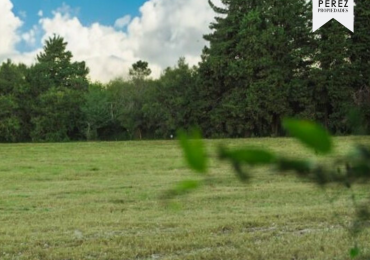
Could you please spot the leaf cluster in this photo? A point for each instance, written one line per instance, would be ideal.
(352, 168)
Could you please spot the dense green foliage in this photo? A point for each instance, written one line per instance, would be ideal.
(261, 64)
(44, 102)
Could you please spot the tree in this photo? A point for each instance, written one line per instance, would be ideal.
(246, 74)
(331, 76)
(128, 99)
(10, 124)
(139, 71)
(98, 110)
(360, 60)
(55, 78)
(277, 48)
(170, 102)
(58, 116)
(14, 117)
(217, 74)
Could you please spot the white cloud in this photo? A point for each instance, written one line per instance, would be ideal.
(165, 31)
(40, 13)
(168, 29)
(30, 37)
(104, 49)
(122, 22)
(66, 9)
(9, 25)
(23, 14)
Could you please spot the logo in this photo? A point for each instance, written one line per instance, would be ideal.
(325, 10)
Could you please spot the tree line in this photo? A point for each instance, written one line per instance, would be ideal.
(262, 63)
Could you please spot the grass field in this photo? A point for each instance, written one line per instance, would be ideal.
(102, 201)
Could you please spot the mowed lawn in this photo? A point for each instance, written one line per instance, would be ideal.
(103, 200)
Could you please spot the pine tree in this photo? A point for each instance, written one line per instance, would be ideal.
(259, 53)
(360, 60)
(331, 76)
(276, 41)
(58, 86)
(218, 70)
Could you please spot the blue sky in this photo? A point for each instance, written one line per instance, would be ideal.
(108, 35)
(88, 11)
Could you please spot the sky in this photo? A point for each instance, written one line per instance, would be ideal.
(108, 35)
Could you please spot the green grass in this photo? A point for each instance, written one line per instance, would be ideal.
(102, 201)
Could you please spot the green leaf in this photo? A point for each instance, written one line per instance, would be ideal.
(363, 153)
(249, 156)
(240, 172)
(186, 186)
(181, 188)
(354, 252)
(310, 134)
(194, 150)
(299, 166)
